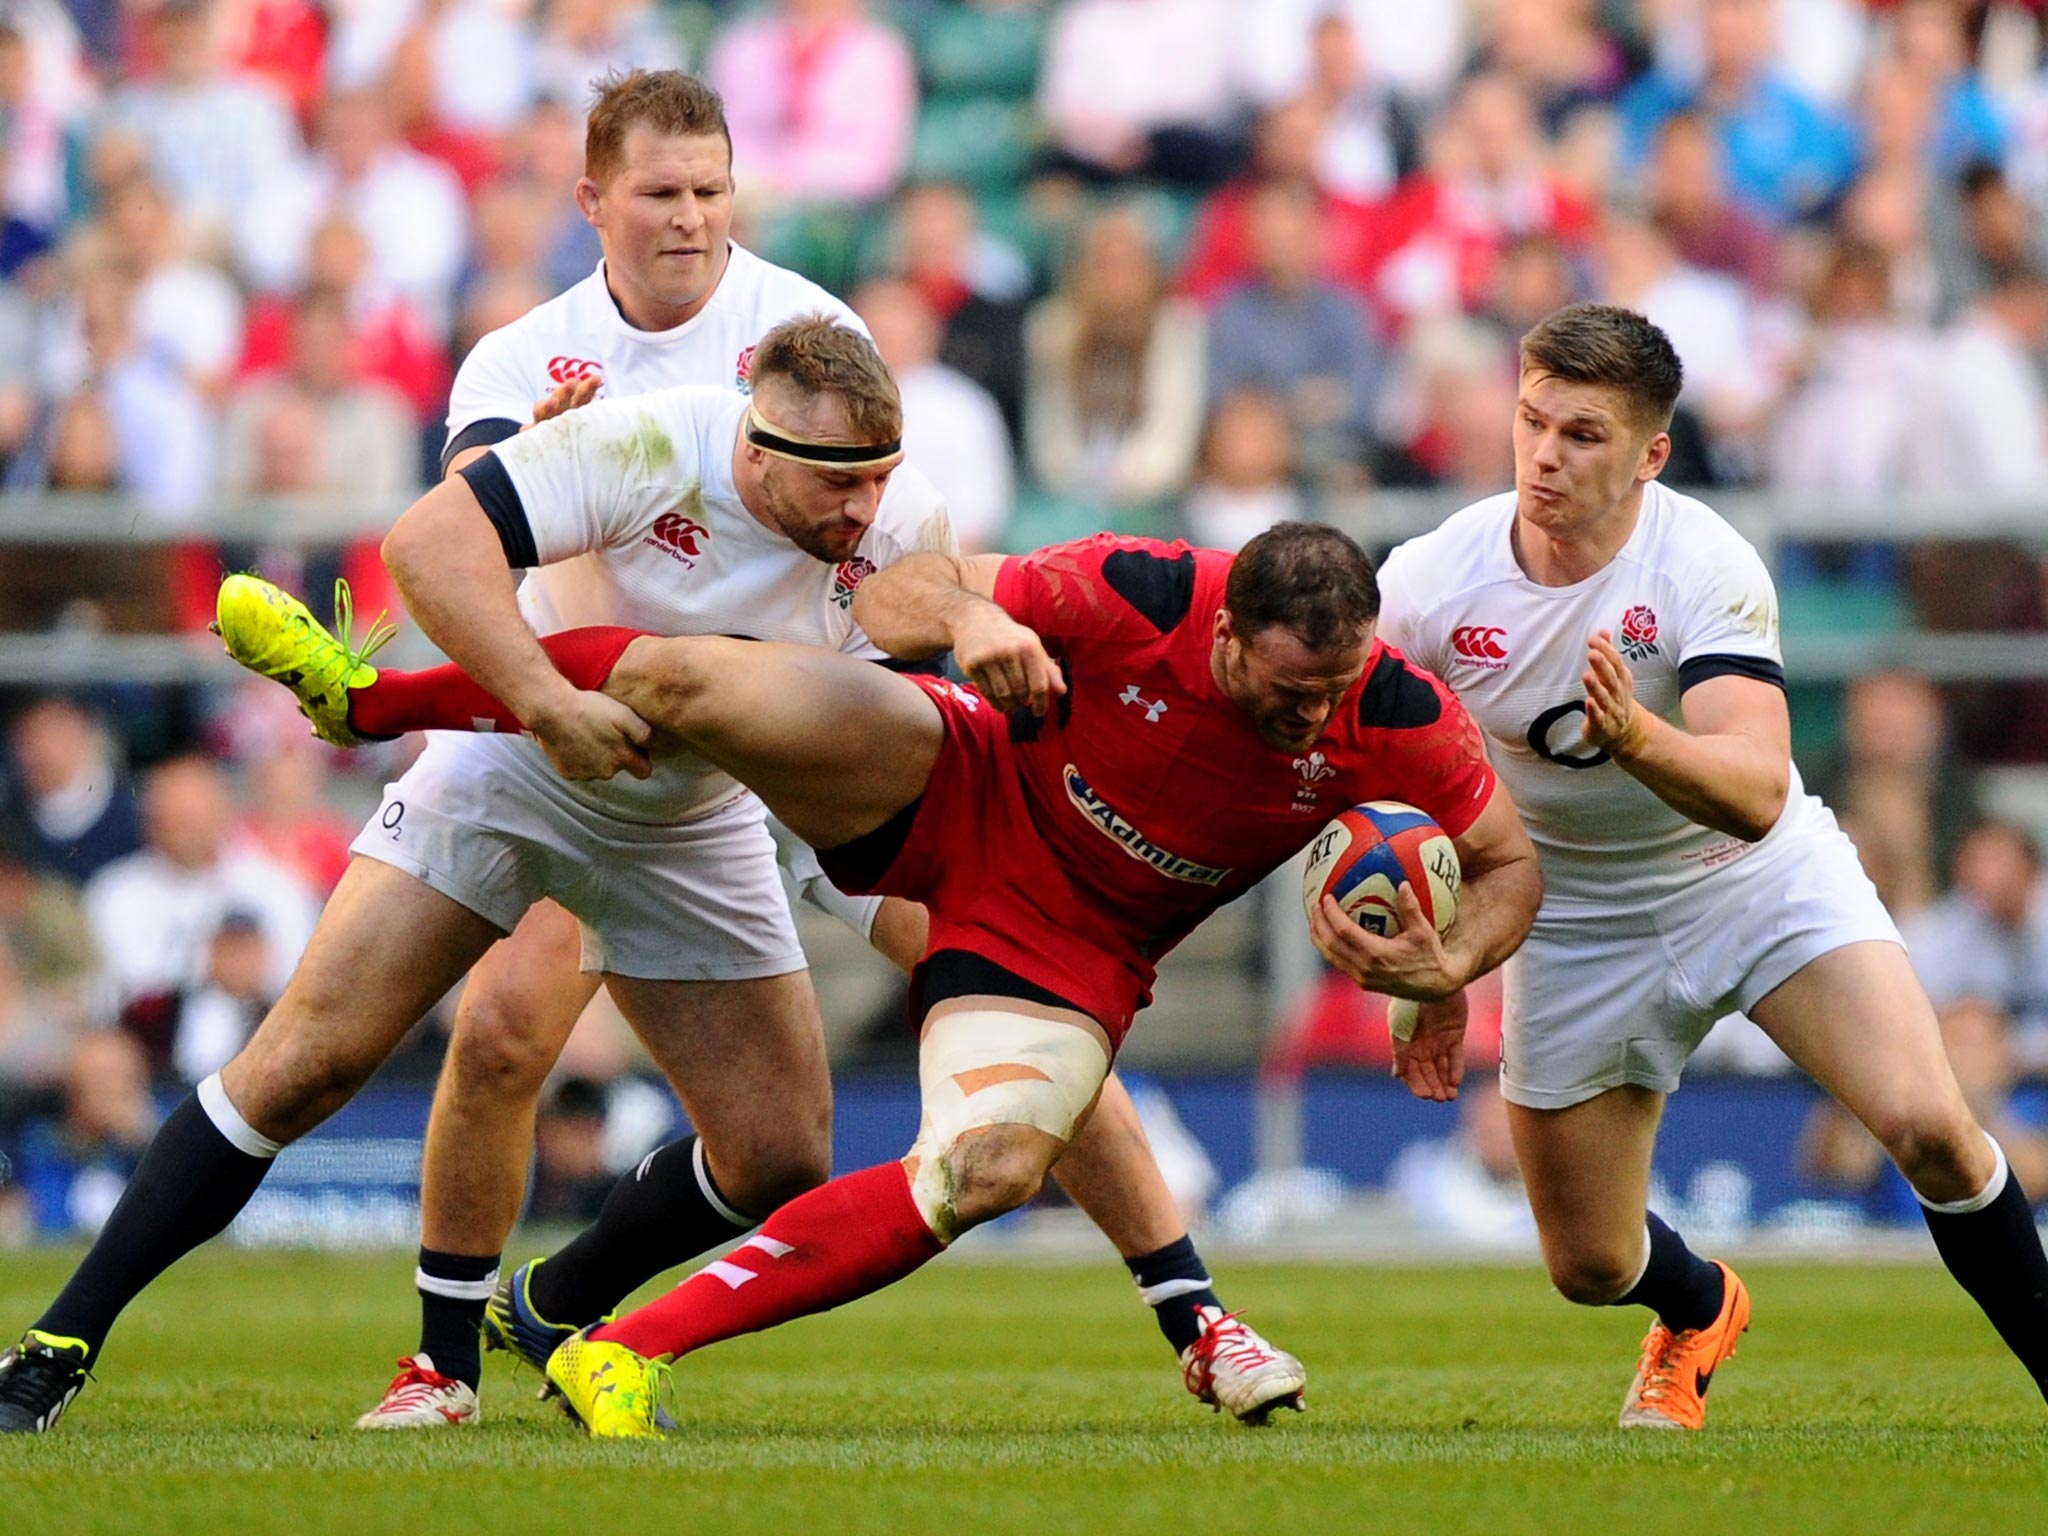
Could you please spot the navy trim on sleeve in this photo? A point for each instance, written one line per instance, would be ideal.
(1697, 670)
(487, 433)
(501, 504)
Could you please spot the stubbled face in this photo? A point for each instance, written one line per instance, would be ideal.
(822, 510)
(1578, 453)
(664, 218)
(1288, 690)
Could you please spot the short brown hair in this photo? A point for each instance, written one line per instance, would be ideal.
(1611, 346)
(1309, 579)
(667, 100)
(816, 355)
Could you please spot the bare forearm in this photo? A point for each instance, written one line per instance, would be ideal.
(1732, 783)
(1495, 909)
(912, 608)
(448, 564)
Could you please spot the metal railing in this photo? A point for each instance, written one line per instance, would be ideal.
(74, 656)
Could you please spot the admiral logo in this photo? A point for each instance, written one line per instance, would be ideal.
(567, 370)
(679, 537)
(743, 371)
(1134, 842)
(1639, 632)
(847, 579)
(1482, 645)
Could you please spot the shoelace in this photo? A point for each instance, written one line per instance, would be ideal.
(1659, 1363)
(414, 1379)
(378, 636)
(1225, 1338)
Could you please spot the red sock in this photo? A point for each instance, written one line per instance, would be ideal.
(833, 1245)
(447, 698)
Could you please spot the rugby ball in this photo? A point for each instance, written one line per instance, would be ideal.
(1363, 856)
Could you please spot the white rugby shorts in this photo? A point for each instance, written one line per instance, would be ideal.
(1598, 997)
(483, 821)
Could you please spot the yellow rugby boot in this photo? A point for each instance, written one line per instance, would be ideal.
(606, 1388)
(1670, 1389)
(272, 633)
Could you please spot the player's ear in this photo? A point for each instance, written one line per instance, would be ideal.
(1224, 633)
(1656, 454)
(589, 200)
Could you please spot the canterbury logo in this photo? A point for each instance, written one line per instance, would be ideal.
(1480, 642)
(567, 370)
(679, 535)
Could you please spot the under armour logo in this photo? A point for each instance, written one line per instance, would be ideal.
(1153, 708)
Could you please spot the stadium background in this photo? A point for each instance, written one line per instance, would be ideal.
(1168, 266)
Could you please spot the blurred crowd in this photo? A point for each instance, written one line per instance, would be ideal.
(1170, 266)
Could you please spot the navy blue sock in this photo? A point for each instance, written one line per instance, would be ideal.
(666, 1210)
(1683, 1289)
(191, 1182)
(1173, 1282)
(453, 1289)
(1995, 1254)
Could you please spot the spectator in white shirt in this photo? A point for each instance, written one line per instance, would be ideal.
(409, 207)
(154, 914)
(214, 137)
(952, 429)
(1141, 87)
(1984, 413)
(188, 310)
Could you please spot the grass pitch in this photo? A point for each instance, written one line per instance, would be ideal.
(976, 1398)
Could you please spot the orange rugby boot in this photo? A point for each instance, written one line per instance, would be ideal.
(1670, 1389)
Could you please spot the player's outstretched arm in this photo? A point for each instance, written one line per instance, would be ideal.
(928, 604)
(449, 564)
(1729, 769)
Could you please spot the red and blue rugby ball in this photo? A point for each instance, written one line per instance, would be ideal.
(1363, 857)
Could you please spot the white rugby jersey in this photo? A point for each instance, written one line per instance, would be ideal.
(580, 333)
(636, 521)
(1687, 598)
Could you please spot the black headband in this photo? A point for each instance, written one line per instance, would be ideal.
(837, 455)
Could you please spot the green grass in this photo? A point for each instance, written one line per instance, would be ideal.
(983, 1398)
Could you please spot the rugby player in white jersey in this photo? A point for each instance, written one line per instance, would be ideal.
(1618, 643)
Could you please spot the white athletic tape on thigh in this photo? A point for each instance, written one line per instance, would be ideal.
(241, 1135)
(981, 1067)
(456, 1290)
(1993, 1188)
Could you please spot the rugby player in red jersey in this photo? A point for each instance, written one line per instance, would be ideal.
(1152, 730)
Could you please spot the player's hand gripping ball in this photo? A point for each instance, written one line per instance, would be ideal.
(1362, 857)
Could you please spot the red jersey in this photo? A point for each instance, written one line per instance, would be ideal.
(1156, 796)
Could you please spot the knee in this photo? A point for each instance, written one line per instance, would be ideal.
(498, 1050)
(663, 680)
(775, 1175)
(285, 1084)
(1942, 1151)
(995, 1169)
(1589, 1277)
